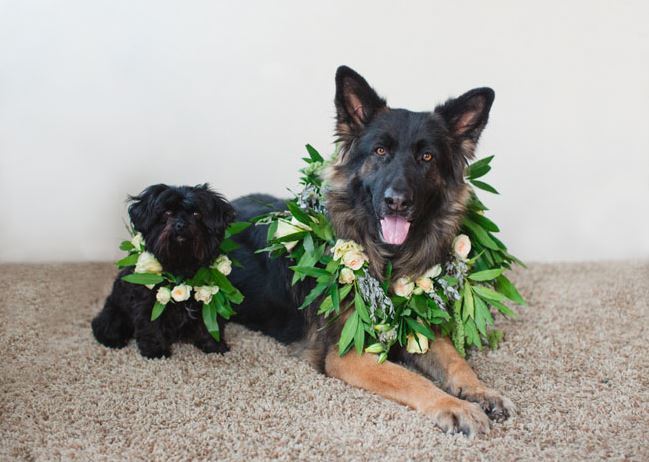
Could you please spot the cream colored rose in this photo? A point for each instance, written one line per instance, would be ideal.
(181, 292)
(138, 242)
(354, 259)
(343, 247)
(204, 293)
(223, 264)
(347, 276)
(286, 228)
(433, 272)
(425, 284)
(403, 287)
(163, 295)
(147, 263)
(413, 347)
(462, 246)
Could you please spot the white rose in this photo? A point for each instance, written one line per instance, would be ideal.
(462, 246)
(403, 287)
(181, 292)
(147, 263)
(424, 283)
(413, 347)
(223, 264)
(204, 293)
(433, 272)
(346, 276)
(343, 246)
(138, 242)
(286, 228)
(354, 259)
(163, 295)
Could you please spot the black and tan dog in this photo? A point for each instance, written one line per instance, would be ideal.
(397, 188)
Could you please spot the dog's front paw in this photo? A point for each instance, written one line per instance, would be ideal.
(212, 346)
(495, 405)
(453, 415)
(153, 350)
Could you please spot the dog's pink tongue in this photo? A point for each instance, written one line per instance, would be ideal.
(394, 229)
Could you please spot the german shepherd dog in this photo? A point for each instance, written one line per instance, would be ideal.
(397, 188)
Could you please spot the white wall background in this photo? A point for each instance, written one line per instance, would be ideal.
(101, 98)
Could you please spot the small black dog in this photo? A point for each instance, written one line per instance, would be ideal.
(183, 228)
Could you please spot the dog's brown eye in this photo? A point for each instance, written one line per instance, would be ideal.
(197, 215)
(427, 157)
(380, 151)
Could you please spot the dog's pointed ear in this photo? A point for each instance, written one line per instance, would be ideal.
(467, 115)
(141, 209)
(356, 102)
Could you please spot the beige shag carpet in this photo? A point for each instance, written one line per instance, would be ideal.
(575, 363)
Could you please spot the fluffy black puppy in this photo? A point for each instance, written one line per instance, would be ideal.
(183, 228)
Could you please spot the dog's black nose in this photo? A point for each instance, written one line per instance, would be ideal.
(397, 201)
(179, 225)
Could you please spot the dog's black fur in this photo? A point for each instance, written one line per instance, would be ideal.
(183, 228)
(361, 185)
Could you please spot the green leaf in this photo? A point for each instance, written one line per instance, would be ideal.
(157, 310)
(488, 293)
(485, 222)
(143, 278)
(313, 295)
(359, 338)
(348, 333)
(297, 236)
(344, 292)
(228, 245)
(423, 329)
(314, 154)
(361, 309)
(237, 227)
(126, 246)
(209, 319)
(480, 234)
(226, 286)
(299, 214)
(486, 275)
(504, 309)
(505, 287)
(272, 229)
(467, 300)
(484, 186)
(311, 271)
(479, 168)
(472, 333)
(127, 261)
(335, 295)
(481, 310)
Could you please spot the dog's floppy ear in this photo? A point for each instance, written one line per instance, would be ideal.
(467, 115)
(356, 102)
(141, 210)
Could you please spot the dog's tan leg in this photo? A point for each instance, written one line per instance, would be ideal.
(406, 387)
(442, 361)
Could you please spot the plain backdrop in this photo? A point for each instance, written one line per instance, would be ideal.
(99, 99)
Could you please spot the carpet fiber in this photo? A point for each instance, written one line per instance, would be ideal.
(575, 363)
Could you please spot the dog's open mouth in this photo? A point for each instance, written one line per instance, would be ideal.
(394, 229)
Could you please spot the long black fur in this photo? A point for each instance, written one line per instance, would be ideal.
(183, 227)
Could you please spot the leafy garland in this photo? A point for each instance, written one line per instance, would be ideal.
(456, 296)
(210, 285)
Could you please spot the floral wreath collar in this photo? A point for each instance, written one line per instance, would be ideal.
(209, 285)
(457, 297)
